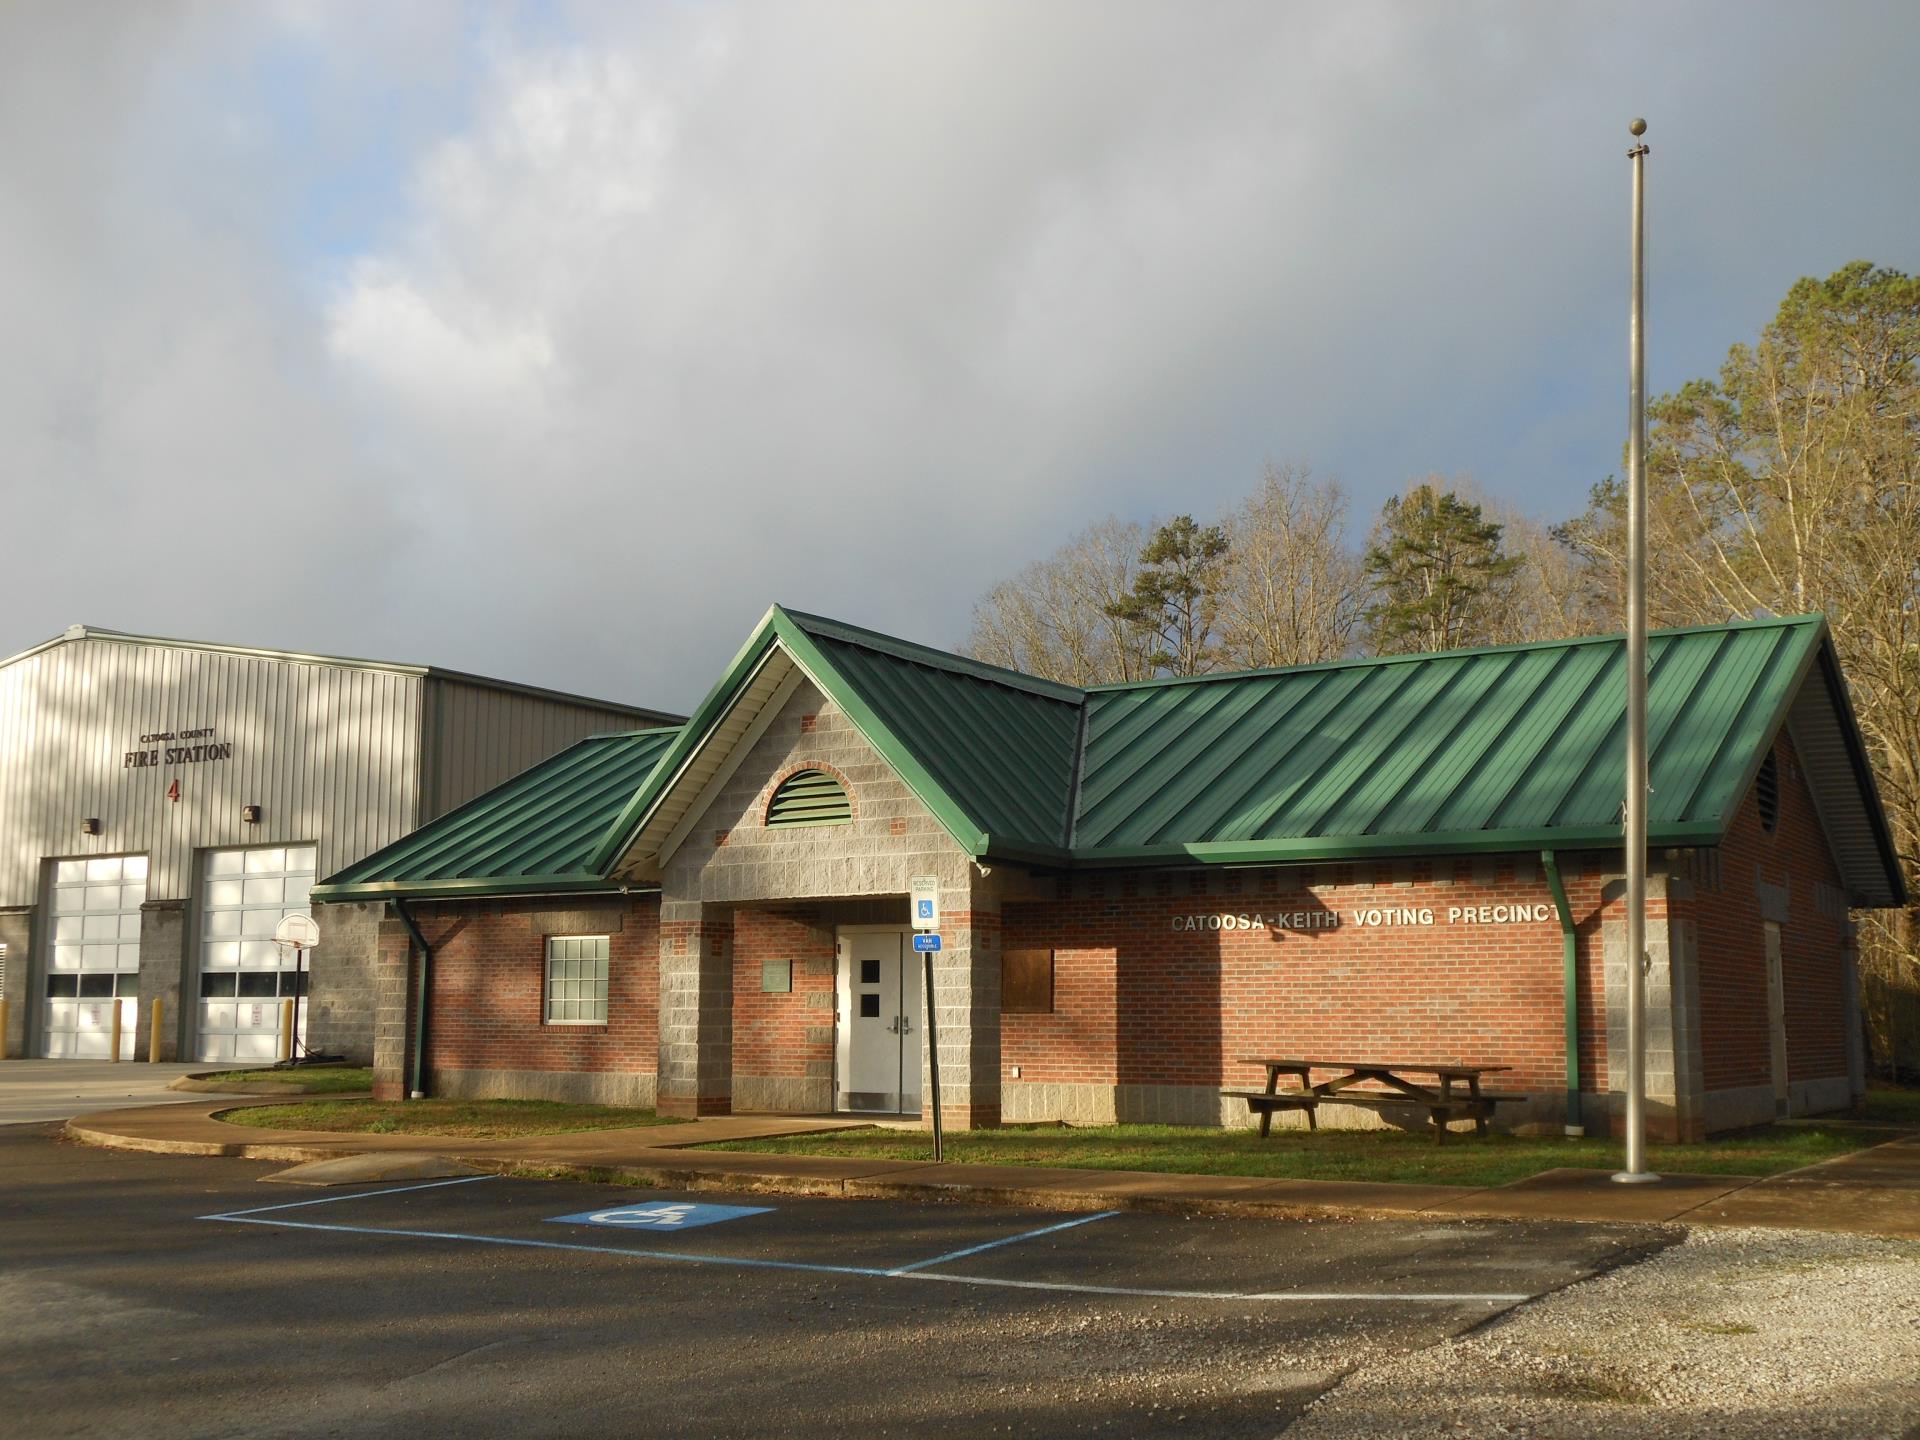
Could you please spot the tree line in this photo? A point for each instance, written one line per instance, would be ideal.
(1278, 581)
(1788, 483)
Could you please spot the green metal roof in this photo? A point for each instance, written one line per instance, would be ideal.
(1003, 754)
(1516, 747)
(1520, 746)
(1506, 748)
(534, 833)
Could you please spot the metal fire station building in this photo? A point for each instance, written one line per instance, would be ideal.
(164, 803)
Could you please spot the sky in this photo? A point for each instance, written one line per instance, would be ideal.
(557, 341)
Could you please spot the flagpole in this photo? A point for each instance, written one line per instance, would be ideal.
(1636, 778)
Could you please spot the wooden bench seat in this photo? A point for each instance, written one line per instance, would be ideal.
(1455, 1107)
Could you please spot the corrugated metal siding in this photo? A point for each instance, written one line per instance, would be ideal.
(329, 751)
(545, 822)
(478, 737)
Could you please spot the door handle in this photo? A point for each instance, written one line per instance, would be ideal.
(893, 1026)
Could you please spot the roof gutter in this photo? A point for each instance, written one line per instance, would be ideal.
(1569, 988)
(417, 1090)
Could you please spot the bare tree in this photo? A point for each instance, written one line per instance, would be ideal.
(1290, 593)
(1790, 484)
(1054, 619)
(1550, 594)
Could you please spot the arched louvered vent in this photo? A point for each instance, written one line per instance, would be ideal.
(809, 797)
(1766, 792)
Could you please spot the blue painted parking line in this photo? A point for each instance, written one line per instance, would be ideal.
(662, 1216)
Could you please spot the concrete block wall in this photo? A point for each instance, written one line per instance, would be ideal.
(344, 990)
(732, 859)
(17, 934)
(163, 956)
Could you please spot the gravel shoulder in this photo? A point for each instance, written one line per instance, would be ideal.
(1729, 1334)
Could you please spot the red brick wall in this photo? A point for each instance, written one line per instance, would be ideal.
(488, 991)
(1733, 957)
(1137, 1002)
(770, 1029)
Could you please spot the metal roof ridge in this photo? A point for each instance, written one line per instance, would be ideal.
(915, 653)
(1610, 637)
(343, 662)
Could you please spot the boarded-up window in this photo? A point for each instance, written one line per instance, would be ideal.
(1026, 982)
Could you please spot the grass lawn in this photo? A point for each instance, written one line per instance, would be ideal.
(468, 1119)
(1888, 1104)
(315, 1080)
(1390, 1155)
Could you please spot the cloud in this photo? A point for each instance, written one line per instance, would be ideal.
(557, 342)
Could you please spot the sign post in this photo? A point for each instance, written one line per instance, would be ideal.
(923, 898)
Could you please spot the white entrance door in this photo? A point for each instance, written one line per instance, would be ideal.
(93, 963)
(1777, 1018)
(880, 1022)
(243, 975)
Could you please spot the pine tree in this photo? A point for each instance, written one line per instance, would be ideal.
(1431, 564)
(1175, 595)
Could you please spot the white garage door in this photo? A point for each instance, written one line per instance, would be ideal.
(94, 961)
(243, 974)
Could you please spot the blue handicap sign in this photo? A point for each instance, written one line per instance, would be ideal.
(926, 909)
(661, 1215)
(926, 942)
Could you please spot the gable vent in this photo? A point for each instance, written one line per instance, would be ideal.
(809, 797)
(1766, 791)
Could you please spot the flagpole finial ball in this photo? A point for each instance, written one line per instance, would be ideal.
(1638, 127)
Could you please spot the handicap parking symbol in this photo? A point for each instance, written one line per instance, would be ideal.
(661, 1216)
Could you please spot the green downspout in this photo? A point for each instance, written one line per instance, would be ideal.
(418, 1090)
(1570, 986)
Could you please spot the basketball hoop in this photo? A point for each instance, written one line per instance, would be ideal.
(298, 933)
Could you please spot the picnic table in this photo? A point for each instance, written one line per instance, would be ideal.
(1379, 1086)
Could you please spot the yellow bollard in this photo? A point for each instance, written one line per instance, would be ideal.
(115, 1051)
(286, 1029)
(4, 1017)
(153, 1041)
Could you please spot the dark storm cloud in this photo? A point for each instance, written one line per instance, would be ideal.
(645, 319)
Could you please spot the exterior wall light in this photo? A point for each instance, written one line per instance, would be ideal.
(250, 814)
(89, 827)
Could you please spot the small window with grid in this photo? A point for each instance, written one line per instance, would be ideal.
(577, 980)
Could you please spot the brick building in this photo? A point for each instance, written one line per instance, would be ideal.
(1409, 859)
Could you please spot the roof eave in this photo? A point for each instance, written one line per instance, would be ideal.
(1315, 849)
(486, 887)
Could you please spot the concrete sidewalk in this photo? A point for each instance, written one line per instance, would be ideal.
(1872, 1192)
(35, 1091)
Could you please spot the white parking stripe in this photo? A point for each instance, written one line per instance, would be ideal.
(953, 1255)
(745, 1263)
(1415, 1297)
(356, 1195)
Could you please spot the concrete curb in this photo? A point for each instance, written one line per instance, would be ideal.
(1879, 1201)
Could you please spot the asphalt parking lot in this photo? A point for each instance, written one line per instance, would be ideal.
(152, 1295)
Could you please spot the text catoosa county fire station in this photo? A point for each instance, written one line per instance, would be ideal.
(1376, 916)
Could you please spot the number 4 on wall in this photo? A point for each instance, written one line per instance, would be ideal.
(173, 790)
